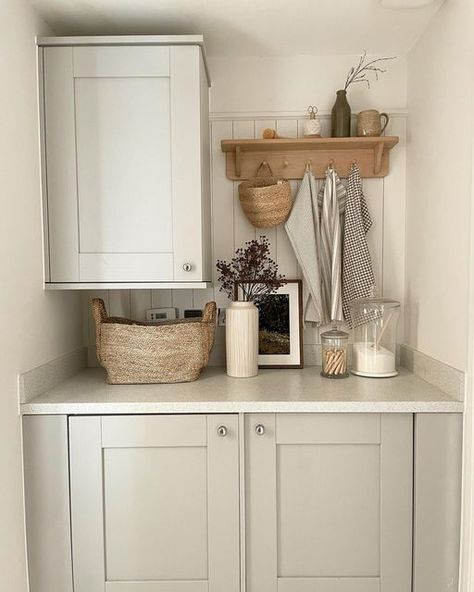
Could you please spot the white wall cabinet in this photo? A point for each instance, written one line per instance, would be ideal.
(260, 503)
(126, 165)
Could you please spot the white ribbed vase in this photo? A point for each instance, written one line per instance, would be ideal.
(241, 339)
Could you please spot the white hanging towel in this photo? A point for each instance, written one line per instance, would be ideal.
(357, 272)
(331, 243)
(303, 231)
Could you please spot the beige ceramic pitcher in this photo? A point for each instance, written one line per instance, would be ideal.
(369, 123)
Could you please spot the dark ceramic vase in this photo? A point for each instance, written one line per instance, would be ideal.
(341, 116)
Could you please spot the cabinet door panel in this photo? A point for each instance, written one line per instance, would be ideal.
(328, 503)
(159, 510)
(123, 165)
(162, 535)
(328, 510)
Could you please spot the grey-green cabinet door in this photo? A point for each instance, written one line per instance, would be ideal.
(328, 501)
(155, 503)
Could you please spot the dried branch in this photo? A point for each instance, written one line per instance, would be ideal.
(359, 73)
(253, 268)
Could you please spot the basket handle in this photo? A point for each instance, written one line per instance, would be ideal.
(209, 314)
(98, 311)
(99, 314)
(208, 329)
(264, 165)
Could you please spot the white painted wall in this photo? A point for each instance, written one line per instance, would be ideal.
(36, 326)
(439, 176)
(270, 84)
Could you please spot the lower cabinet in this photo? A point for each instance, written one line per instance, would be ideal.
(155, 503)
(251, 503)
(329, 502)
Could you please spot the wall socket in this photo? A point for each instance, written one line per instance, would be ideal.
(221, 317)
(156, 315)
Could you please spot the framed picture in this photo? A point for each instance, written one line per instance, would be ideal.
(280, 343)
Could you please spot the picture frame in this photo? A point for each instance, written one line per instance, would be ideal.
(280, 324)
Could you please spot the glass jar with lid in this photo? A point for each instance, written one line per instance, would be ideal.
(374, 322)
(334, 353)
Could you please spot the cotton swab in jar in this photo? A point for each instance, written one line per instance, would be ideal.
(380, 335)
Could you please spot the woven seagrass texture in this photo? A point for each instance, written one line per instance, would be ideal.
(266, 201)
(141, 353)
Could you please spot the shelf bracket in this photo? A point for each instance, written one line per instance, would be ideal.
(378, 153)
(237, 161)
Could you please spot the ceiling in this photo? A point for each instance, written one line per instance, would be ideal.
(251, 27)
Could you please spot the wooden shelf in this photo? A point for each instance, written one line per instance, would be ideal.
(288, 157)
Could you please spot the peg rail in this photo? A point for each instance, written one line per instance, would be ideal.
(289, 157)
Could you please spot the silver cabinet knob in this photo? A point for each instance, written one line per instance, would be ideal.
(187, 267)
(222, 431)
(259, 429)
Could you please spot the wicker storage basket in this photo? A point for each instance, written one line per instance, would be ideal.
(142, 353)
(266, 201)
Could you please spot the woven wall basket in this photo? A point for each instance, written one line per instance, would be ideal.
(141, 353)
(266, 201)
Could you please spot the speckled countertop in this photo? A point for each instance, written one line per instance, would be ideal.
(271, 391)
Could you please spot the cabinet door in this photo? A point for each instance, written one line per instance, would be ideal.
(329, 503)
(155, 503)
(122, 141)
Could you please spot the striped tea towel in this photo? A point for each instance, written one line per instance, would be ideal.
(341, 197)
(302, 228)
(331, 243)
(357, 274)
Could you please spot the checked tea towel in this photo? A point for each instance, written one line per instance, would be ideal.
(357, 273)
